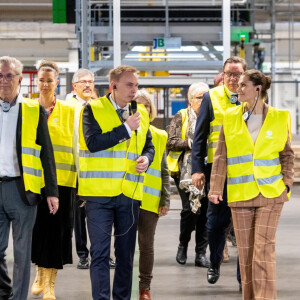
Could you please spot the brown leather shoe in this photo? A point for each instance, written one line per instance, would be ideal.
(145, 295)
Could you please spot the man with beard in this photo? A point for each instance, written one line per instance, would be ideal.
(83, 90)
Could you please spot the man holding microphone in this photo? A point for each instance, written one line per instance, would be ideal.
(115, 149)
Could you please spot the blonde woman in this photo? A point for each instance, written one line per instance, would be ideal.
(156, 198)
(52, 234)
(180, 141)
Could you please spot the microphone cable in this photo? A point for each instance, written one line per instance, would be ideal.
(132, 212)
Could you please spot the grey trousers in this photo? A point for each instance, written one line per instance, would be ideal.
(14, 212)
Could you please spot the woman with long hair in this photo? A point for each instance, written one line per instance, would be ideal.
(52, 234)
(156, 198)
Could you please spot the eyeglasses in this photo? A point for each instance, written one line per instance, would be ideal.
(198, 98)
(234, 75)
(85, 82)
(8, 77)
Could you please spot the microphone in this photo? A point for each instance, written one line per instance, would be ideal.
(133, 105)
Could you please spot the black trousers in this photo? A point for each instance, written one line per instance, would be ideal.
(80, 230)
(218, 219)
(190, 221)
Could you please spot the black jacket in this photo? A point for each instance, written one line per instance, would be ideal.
(47, 159)
(199, 150)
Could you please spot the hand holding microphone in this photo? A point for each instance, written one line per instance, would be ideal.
(134, 120)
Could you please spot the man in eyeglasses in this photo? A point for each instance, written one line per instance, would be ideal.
(25, 150)
(209, 122)
(83, 85)
(84, 88)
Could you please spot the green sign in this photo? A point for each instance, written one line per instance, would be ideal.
(239, 32)
(59, 10)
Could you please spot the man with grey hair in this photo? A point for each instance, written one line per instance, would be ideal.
(25, 151)
(83, 86)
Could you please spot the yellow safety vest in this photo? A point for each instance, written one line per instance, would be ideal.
(73, 101)
(255, 168)
(110, 172)
(219, 97)
(78, 106)
(31, 162)
(173, 156)
(153, 182)
(61, 129)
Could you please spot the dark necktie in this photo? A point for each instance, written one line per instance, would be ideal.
(120, 114)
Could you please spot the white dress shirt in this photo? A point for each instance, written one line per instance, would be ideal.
(8, 154)
(125, 108)
(78, 108)
(80, 100)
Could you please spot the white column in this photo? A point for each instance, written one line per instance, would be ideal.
(226, 29)
(84, 35)
(117, 33)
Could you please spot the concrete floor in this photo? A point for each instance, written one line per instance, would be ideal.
(173, 281)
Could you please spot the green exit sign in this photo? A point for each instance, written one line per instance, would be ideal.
(238, 32)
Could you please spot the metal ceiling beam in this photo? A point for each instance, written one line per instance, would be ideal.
(202, 33)
(171, 81)
(171, 2)
(160, 65)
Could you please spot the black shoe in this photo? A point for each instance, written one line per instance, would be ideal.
(83, 263)
(10, 297)
(213, 275)
(201, 261)
(181, 254)
(112, 263)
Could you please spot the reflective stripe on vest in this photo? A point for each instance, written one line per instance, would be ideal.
(266, 162)
(153, 181)
(152, 191)
(173, 156)
(102, 174)
(61, 129)
(110, 172)
(103, 154)
(254, 168)
(30, 151)
(220, 103)
(239, 159)
(32, 171)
